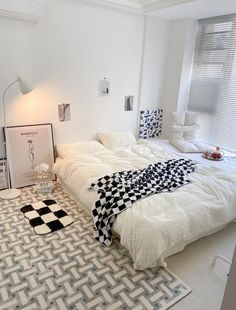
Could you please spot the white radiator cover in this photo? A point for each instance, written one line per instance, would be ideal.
(23, 10)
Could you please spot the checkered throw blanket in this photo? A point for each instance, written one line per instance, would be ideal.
(119, 191)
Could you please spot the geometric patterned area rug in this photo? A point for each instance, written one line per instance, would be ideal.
(46, 216)
(69, 269)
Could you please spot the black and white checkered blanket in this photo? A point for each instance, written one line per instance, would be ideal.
(121, 189)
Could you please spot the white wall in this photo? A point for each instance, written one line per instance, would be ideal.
(66, 54)
(72, 48)
(154, 63)
(16, 57)
(178, 71)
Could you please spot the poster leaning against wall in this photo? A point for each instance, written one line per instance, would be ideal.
(3, 174)
(27, 147)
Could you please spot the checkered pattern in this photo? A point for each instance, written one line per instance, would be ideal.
(120, 190)
(46, 216)
(150, 123)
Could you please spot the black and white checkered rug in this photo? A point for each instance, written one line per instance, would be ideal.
(69, 269)
(46, 216)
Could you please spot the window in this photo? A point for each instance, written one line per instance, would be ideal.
(213, 84)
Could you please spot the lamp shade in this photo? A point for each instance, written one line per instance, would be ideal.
(24, 87)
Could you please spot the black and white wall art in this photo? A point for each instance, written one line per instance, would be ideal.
(129, 103)
(64, 112)
(150, 123)
(104, 87)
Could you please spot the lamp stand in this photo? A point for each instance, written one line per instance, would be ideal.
(9, 193)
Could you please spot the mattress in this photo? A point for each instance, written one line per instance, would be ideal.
(162, 224)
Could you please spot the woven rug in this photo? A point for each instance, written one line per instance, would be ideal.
(68, 269)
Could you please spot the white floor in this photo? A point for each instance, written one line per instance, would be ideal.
(193, 266)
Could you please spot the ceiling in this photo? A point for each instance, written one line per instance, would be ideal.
(197, 9)
(174, 9)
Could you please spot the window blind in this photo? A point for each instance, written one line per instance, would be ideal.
(213, 83)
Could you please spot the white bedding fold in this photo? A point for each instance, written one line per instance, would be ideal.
(162, 224)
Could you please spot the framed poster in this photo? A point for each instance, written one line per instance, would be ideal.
(3, 174)
(28, 146)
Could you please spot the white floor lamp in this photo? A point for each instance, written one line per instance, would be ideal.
(11, 193)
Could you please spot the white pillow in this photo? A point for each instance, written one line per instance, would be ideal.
(184, 146)
(112, 140)
(190, 136)
(178, 118)
(67, 150)
(203, 147)
(191, 118)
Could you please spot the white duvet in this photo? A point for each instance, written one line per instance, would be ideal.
(162, 224)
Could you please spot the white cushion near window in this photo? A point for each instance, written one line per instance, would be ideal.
(190, 118)
(184, 146)
(183, 132)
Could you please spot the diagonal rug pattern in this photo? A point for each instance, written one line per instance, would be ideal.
(68, 269)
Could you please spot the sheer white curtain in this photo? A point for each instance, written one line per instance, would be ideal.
(213, 84)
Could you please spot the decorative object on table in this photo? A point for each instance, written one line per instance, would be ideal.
(28, 145)
(46, 216)
(104, 87)
(3, 174)
(129, 103)
(10, 192)
(64, 112)
(216, 155)
(183, 133)
(150, 123)
(43, 185)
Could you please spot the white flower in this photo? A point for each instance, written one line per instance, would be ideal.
(42, 169)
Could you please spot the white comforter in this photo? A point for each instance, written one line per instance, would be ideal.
(162, 224)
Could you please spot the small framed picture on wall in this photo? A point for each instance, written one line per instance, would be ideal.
(27, 147)
(129, 102)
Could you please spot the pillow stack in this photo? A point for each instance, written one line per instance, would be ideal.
(183, 133)
(109, 141)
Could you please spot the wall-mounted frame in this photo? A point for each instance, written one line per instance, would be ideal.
(129, 103)
(28, 146)
(104, 87)
(64, 112)
(3, 174)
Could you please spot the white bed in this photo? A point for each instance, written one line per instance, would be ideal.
(162, 224)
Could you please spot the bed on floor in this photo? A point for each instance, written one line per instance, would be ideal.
(162, 224)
